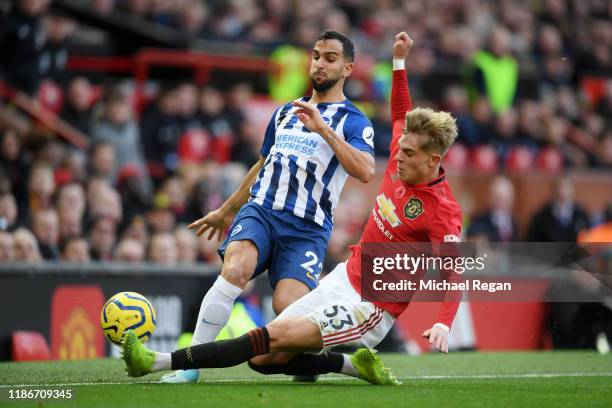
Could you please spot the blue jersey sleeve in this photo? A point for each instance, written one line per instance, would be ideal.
(270, 135)
(359, 133)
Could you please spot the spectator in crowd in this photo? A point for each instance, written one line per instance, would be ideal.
(26, 246)
(107, 204)
(102, 237)
(505, 128)
(173, 188)
(604, 151)
(103, 7)
(13, 163)
(160, 217)
(102, 160)
(187, 244)
(187, 97)
(71, 197)
(129, 250)
(41, 188)
(245, 150)
(8, 211)
(137, 228)
(161, 129)
(290, 80)
(117, 127)
(494, 73)
(134, 190)
(77, 110)
(163, 249)
(70, 224)
(192, 19)
(212, 112)
(561, 219)
(381, 123)
(207, 252)
(496, 224)
(7, 247)
(96, 188)
(54, 56)
(45, 225)
(75, 249)
(22, 38)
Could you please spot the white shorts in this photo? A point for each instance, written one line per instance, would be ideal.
(336, 308)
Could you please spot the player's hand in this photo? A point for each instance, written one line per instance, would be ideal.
(438, 337)
(310, 116)
(215, 221)
(402, 46)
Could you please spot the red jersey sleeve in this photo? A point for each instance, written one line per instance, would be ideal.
(400, 104)
(446, 229)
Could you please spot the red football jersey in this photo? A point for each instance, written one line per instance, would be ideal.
(405, 213)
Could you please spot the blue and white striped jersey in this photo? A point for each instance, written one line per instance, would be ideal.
(301, 173)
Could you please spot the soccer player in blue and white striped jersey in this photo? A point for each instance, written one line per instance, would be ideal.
(283, 210)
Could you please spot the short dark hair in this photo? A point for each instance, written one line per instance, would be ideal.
(348, 49)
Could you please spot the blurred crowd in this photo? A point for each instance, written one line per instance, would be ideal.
(124, 198)
(151, 168)
(555, 42)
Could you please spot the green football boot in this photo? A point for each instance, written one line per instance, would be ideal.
(371, 368)
(138, 359)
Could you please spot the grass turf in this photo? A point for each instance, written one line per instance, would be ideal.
(539, 379)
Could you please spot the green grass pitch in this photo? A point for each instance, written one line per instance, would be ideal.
(537, 379)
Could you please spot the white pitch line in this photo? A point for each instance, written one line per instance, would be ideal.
(264, 380)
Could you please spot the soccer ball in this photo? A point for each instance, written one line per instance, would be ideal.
(124, 311)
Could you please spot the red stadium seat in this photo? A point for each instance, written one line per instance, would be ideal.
(550, 160)
(484, 159)
(456, 158)
(30, 346)
(520, 160)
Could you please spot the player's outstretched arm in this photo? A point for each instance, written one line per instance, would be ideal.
(218, 220)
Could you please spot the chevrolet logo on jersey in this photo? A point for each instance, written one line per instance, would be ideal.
(413, 208)
(386, 209)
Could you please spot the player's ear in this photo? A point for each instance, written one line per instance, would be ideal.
(434, 159)
(348, 69)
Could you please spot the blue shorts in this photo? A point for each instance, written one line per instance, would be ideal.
(288, 246)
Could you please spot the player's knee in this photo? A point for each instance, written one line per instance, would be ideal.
(279, 332)
(279, 303)
(236, 274)
(288, 291)
(238, 267)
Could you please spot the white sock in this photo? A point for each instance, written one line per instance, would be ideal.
(163, 361)
(215, 311)
(347, 367)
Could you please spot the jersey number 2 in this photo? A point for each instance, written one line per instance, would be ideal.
(308, 264)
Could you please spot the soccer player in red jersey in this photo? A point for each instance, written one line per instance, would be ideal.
(414, 204)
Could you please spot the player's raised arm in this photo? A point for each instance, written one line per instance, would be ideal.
(400, 97)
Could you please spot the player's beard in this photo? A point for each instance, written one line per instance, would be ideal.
(325, 85)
